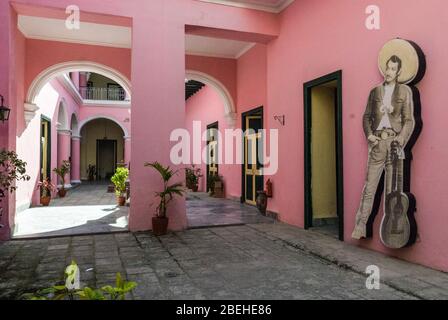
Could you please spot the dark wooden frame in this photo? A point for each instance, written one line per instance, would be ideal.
(48, 120)
(214, 125)
(307, 87)
(254, 112)
(97, 154)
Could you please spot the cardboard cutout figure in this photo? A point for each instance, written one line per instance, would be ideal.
(391, 124)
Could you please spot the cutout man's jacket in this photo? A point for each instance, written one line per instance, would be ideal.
(402, 116)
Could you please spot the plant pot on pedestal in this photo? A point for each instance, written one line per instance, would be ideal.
(62, 193)
(45, 201)
(121, 201)
(160, 226)
(262, 202)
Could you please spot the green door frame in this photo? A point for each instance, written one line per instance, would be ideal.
(254, 112)
(48, 155)
(307, 87)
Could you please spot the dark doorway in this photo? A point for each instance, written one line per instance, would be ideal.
(252, 173)
(323, 155)
(106, 158)
(45, 149)
(212, 152)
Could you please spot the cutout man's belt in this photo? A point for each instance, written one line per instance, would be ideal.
(385, 134)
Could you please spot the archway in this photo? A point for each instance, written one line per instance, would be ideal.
(75, 176)
(102, 148)
(50, 73)
(64, 138)
(226, 97)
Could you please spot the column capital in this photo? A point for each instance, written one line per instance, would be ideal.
(65, 132)
(76, 138)
(127, 138)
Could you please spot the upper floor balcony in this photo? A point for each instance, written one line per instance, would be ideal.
(115, 93)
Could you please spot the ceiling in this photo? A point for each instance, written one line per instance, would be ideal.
(89, 33)
(264, 5)
(121, 37)
(214, 47)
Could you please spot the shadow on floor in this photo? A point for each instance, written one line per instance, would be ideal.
(205, 211)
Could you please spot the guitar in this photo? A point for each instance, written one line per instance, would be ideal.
(397, 227)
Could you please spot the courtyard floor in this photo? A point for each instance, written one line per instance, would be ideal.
(86, 209)
(259, 261)
(205, 211)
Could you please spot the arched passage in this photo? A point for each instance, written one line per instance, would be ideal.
(62, 68)
(102, 147)
(64, 139)
(75, 176)
(229, 105)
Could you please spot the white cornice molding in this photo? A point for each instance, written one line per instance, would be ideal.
(67, 83)
(107, 103)
(246, 49)
(30, 111)
(222, 56)
(270, 9)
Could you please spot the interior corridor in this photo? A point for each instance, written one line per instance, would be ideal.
(87, 209)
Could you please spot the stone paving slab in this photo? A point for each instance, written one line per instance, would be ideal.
(260, 261)
(419, 281)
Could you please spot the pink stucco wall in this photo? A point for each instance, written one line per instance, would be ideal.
(314, 38)
(320, 37)
(207, 107)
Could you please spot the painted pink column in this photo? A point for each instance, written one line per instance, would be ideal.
(127, 150)
(75, 173)
(64, 145)
(75, 79)
(82, 78)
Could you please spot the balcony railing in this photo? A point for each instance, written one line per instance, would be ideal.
(94, 93)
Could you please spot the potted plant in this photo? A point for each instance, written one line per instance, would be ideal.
(12, 169)
(192, 178)
(119, 180)
(216, 186)
(46, 188)
(160, 221)
(62, 172)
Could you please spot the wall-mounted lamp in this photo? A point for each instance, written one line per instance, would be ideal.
(4, 111)
(280, 119)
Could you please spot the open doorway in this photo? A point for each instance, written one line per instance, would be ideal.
(323, 155)
(106, 158)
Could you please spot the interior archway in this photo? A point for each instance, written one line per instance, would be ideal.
(229, 105)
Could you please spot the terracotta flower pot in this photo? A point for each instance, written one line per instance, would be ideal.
(195, 188)
(62, 193)
(159, 226)
(45, 201)
(262, 202)
(121, 201)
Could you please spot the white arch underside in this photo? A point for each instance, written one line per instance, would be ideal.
(229, 105)
(72, 66)
(97, 117)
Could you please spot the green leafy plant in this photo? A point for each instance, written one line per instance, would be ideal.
(62, 172)
(169, 190)
(119, 180)
(72, 290)
(46, 187)
(192, 177)
(12, 169)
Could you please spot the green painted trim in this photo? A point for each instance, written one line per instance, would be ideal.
(307, 117)
(259, 111)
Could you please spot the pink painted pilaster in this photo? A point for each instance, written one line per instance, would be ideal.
(75, 173)
(63, 149)
(75, 79)
(127, 150)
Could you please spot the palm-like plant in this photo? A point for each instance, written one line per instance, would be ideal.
(169, 190)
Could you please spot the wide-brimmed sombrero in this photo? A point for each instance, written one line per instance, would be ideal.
(412, 57)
